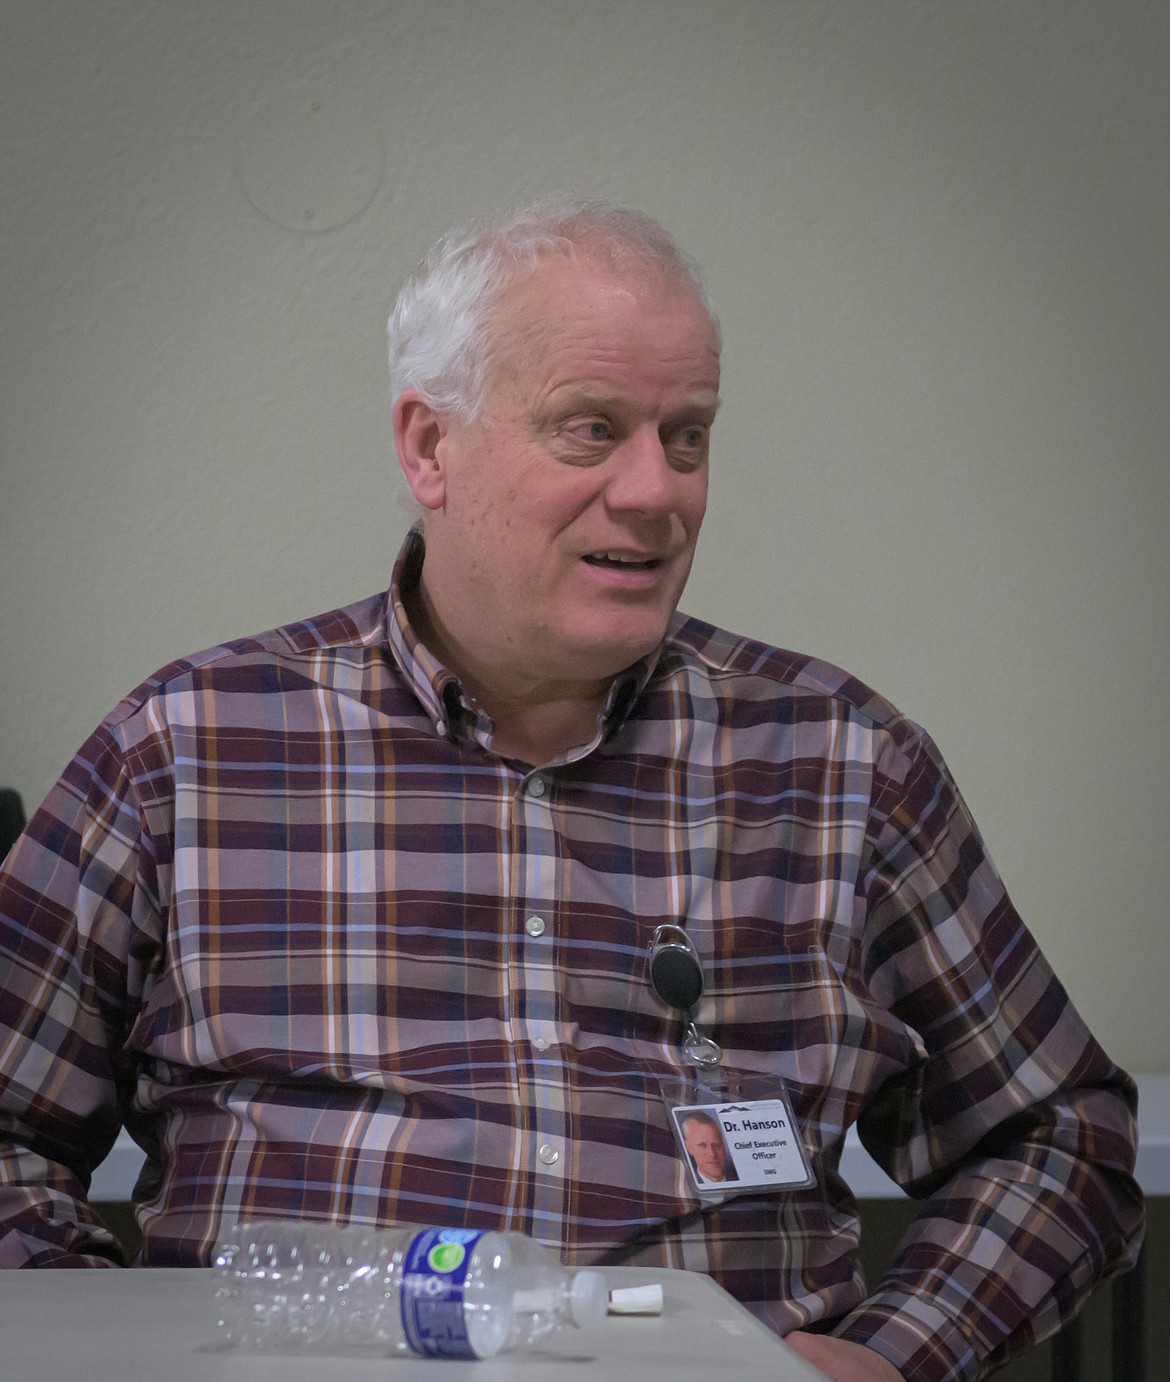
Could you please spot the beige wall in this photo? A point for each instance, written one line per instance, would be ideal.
(936, 234)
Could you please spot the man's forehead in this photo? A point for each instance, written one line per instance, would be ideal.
(541, 296)
(575, 393)
(571, 321)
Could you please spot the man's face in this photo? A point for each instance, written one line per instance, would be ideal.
(705, 1145)
(571, 504)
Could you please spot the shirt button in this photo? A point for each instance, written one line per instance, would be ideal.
(540, 1044)
(534, 926)
(536, 786)
(549, 1154)
(440, 727)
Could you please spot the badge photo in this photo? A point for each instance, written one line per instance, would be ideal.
(749, 1145)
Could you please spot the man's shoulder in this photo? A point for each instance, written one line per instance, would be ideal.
(751, 669)
(300, 652)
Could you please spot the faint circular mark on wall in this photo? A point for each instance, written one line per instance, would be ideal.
(311, 160)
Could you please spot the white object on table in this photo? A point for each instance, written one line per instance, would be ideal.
(636, 1300)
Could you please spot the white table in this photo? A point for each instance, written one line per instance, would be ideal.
(157, 1325)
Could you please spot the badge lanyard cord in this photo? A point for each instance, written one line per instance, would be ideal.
(676, 976)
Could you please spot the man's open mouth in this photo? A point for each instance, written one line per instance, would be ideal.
(622, 561)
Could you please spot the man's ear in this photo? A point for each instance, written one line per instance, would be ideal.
(418, 434)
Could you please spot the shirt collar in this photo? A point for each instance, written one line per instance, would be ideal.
(438, 689)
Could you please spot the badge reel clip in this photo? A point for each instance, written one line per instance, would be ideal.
(676, 976)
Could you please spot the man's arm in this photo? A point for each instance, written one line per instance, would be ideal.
(72, 895)
(1015, 1127)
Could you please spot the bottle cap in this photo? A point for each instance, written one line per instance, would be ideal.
(636, 1300)
(588, 1298)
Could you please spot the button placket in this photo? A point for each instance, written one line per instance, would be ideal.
(538, 890)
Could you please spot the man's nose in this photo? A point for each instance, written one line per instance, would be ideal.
(643, 478)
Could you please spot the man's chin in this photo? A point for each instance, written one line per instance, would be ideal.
(613, 649)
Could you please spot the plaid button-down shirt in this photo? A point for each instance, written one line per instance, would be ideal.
(328, 957)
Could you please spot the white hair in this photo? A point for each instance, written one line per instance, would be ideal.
(440, 337)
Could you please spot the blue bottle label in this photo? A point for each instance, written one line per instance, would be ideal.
(434, 1276)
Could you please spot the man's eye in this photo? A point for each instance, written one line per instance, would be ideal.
(597, 431)
(690, 440)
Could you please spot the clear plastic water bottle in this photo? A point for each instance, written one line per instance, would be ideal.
(438, 1292)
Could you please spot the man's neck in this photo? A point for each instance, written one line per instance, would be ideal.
(539, 732)
(533, 721)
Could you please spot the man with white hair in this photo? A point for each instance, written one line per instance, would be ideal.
(348, 921)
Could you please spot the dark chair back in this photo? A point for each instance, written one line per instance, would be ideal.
(11, 819)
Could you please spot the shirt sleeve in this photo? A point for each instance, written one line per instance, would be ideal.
(1014, 1127)
(75, 899)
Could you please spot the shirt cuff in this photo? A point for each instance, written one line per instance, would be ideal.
(919, 1338)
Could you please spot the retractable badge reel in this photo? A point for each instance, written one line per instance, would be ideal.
(676, 976)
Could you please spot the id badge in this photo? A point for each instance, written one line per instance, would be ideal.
(736, 1132)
